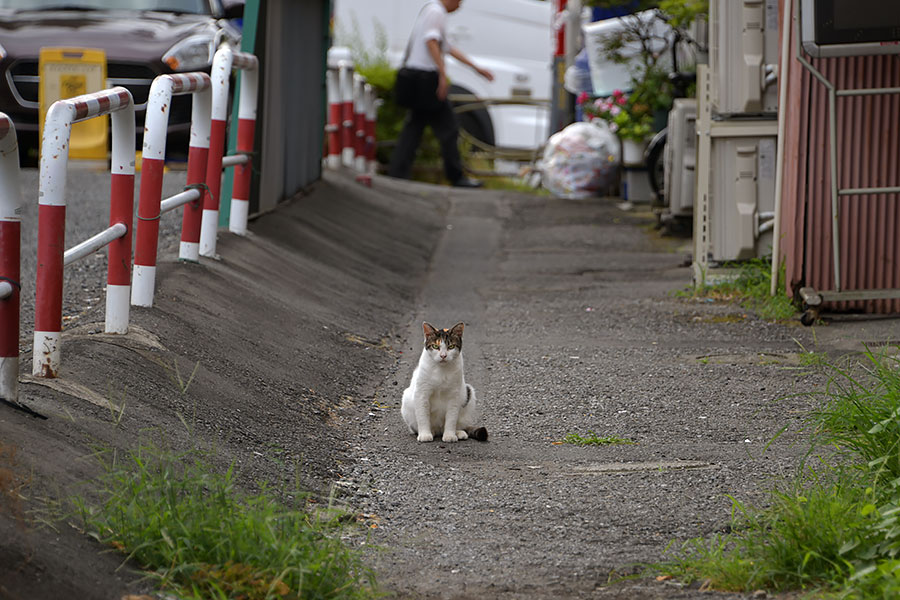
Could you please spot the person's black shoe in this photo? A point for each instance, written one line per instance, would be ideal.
(465, 182)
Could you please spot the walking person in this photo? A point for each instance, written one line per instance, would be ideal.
(424, 58)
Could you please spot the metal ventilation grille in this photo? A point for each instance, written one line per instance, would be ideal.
(136, 78)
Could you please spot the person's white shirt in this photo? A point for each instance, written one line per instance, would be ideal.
(430, 25)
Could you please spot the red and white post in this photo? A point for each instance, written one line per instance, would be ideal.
(11, 206)
(223, 62)
(152, 166)
(52, 220)
(359, 122)
(371, 116)
(198, 158)
(240, 198)
(333, 128)
(345, 70)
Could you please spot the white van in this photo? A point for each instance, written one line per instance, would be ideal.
(512, 38)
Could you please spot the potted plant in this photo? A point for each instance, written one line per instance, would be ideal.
(634, 115)
(627, 115)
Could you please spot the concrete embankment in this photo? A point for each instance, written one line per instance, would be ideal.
(256, 356)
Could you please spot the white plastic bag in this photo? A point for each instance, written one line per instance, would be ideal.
(581, 160)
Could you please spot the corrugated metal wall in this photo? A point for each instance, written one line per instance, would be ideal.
(868, 143)
(292, 44)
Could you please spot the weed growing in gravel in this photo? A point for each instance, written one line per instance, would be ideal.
(592, 439)
(750, 289)
(836, 529)
(193, 530)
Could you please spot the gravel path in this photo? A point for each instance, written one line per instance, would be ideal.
(306, 332)
(571, 328)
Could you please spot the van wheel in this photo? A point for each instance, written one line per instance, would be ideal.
(475, 125)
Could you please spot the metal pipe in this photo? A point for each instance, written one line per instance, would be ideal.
(94, 243)
(869, 91)
(871, 190)
(234, 159)
(835, 216)
(783, 70)
(179, 199)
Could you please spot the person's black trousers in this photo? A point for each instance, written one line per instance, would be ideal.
(446, 129)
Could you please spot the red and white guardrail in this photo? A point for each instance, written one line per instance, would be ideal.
(10, 260)
(150, 203)
(224, 61)
(333, 127)
(345, 76)
(352, 113)
(359, 122)
(372, 103)
(52, 219)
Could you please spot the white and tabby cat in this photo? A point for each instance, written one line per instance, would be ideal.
(438, 399)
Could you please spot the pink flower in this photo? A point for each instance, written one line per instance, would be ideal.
(582, 97)
(618, 93)
(621, 100)
(615, 110)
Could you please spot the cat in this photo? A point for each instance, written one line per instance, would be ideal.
(438, 399)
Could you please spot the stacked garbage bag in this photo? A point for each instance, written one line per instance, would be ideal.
(581, 161)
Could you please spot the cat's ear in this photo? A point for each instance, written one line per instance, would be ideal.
(430, 331)
(457, 329)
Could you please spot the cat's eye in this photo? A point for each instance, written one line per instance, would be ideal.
(436, 345)
(451, 346)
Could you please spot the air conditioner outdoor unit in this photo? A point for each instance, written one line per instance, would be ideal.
(742, 197)
(681, 157)
(743, 56)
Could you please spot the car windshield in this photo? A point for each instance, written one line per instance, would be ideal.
(200, 7)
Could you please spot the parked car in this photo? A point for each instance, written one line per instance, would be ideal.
(141, 38)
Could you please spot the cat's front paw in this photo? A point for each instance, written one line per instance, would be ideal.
(449, 436)
(425, 436)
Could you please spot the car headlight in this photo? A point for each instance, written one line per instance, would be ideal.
(191, 54)
(2, 52)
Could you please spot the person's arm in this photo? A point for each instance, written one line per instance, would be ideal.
(434, 49)
(458, 55)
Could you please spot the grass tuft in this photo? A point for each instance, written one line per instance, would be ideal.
(835, 530)
(592, 439)
(750, 289)
(200, 537)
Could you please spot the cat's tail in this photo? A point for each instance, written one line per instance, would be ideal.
(476, 433)
(479, 434)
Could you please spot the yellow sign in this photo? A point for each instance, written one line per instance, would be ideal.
(68, 72)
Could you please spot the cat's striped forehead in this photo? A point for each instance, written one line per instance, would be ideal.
(452, 335)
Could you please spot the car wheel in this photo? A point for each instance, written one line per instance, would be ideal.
(476, 132)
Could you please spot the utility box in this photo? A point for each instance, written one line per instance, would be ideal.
(743, 56)
(741, 198)
(681, 157)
